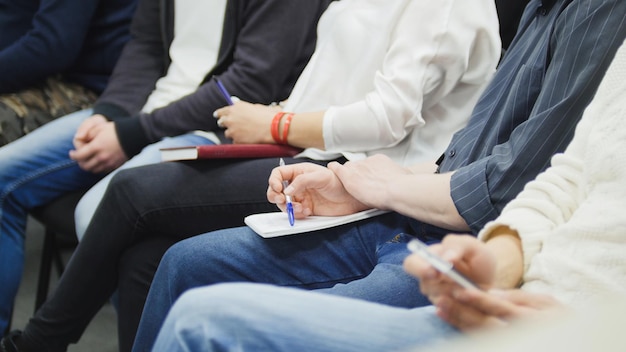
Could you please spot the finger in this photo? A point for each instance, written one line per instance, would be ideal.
(221, 112)
(81, 155)
(527, 299)
(418, 267)
(488, 303)
(220, 122)
(462, 316)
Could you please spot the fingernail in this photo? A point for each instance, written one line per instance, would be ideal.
(215, 114)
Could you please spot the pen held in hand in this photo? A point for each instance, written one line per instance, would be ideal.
(290, 213)
(223, 90)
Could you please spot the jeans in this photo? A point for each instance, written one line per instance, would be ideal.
(36, 169)
(360, 260)
(255, 317)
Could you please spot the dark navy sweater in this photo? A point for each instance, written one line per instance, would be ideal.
(79, 39)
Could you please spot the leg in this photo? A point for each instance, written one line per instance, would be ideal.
(149, 155)
(316, 260)
(136, 270)
(34, 170)
(173, 213)
(135, 208)
(253, 317)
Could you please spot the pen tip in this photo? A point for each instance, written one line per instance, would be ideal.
(281, 162)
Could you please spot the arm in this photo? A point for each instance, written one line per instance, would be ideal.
(577, 58)
(259, 71)
(142, 62)
(376, 182)
(410, 77)
(57, 34)
(550, 200)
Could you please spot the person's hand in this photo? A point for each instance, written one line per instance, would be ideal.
(100, 151)
(86, 130)
(474, 309)
(368, 180)
(314, 190)
(468, 255)
(246, 123)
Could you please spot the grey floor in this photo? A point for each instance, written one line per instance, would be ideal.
(100, 336)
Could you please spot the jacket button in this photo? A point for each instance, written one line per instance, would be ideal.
(452, 153)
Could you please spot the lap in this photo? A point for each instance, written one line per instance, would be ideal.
(148, 156)
(361, 260)
(36, 168)
(291, 319)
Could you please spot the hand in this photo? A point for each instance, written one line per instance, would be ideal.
(86, 130)
(99, 150)
(469, 256)
(314, 190)
(368, 180)
(473, 309)
(247, 123)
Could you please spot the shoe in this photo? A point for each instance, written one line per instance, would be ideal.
(7, 344)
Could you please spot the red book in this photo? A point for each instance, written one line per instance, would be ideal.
(227, 151)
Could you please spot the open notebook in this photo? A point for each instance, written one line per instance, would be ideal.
(276, 224)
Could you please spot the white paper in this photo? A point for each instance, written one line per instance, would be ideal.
(276, 224)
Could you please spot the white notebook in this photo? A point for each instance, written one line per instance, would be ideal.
(276, 224)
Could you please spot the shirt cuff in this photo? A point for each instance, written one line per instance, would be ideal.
(470, 193)
(131, 135)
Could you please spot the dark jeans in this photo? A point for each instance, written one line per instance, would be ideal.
(143, 212)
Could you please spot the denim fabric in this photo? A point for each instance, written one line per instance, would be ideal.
(36, 169)
(255, 317)
(362, 260)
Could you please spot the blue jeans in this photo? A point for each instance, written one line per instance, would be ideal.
(36, 169)
(255, 317)
(361, 260)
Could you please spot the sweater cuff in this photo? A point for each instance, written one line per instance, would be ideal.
(111, 111)
(131, 136)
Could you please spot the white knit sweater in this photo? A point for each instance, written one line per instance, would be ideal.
(572, 217)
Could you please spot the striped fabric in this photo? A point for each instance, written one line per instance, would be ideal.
(546, 79)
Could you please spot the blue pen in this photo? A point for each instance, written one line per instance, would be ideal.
(223, 90)
(290, 214)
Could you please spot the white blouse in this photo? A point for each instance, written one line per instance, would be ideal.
(397, 77)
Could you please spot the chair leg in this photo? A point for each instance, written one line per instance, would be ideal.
(45, 267)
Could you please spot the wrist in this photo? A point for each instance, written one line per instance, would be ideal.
(280, 125)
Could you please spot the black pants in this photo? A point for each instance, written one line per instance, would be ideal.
(143, 212)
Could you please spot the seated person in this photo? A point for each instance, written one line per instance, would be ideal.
(398, 89)
(559, 245)
(55, 58)
(523, 118)
(160, 87)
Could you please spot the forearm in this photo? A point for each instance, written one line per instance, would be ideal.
(305, 130)
(425, 197)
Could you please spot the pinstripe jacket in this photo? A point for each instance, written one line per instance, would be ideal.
(529, 111)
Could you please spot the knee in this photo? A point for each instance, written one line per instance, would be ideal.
(180, 257)
(221, 300)
(127, 183)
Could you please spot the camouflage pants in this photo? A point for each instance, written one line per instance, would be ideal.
(23, 112)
